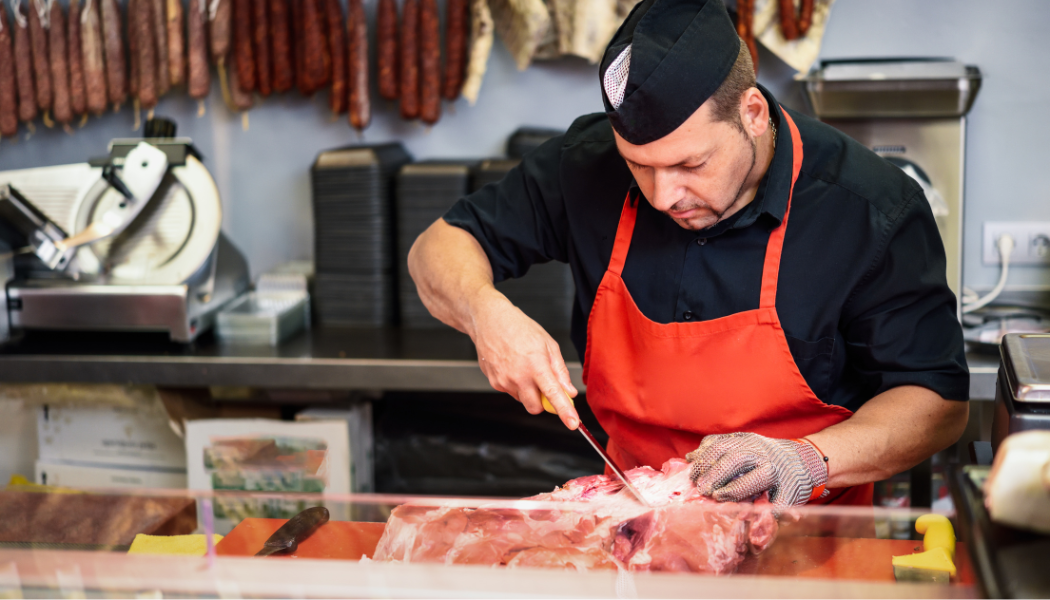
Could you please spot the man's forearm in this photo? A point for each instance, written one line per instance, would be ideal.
(892, 432)
(450, 271)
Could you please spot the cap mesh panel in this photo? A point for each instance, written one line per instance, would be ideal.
(615, 80)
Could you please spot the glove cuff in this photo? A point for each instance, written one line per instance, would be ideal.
(816, 466)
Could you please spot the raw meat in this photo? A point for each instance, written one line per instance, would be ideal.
(600, 526)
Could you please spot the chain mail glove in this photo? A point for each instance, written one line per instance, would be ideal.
(737, 466)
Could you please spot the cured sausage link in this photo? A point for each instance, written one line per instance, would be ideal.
(317, 60)
(386, 49)
(261, 47)
(159, 39)
(41, 70)
(357, 41)
(176, 43)
(244, 58)
(24, 66)
(8, 92)
(219, 13)
(429, 62)
(199, 82)
(147, 55)
(409, 62)
(113, 46)
(91, 52)
(337, 95)
(457, 21)
(59, 62)
(281, 45)
(77, 101)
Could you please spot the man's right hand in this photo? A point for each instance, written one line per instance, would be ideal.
(454, 280)
(519, 357)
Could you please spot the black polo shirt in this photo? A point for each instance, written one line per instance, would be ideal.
(862, 294)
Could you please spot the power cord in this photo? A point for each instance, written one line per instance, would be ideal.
(1005, 244)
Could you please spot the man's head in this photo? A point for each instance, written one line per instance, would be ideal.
(679, 89)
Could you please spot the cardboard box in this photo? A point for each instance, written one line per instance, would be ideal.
(100, 476)
(362, 449)
(120, 436)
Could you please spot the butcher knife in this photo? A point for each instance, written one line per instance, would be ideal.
(547, 406)
(287, 539)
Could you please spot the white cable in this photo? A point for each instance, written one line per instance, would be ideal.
(1006, 248)
(968, 295)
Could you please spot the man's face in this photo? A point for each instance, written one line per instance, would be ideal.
(696, 174)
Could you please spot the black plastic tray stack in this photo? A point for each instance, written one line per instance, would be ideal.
(545, 293)
(527, 139)
(491, 171)
(425, 191)
(355, 270)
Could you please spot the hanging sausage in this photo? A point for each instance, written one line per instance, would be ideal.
(409, 60)
(357, 42)
(113, 46)
(387, 49)
(429, 62)
(77, 99)
(457, 22)
(59, 63)
(199, 82)
(281, 46)
(337, 95)
(8, 91)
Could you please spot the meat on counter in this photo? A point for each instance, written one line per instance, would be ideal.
(604, 528)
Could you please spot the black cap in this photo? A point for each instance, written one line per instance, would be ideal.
(674, 55)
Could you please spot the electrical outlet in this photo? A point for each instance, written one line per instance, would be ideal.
(1031, 242)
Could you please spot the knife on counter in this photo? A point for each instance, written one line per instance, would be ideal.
(547, 406)
(287, 539)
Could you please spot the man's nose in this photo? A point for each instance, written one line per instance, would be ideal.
(666, 190)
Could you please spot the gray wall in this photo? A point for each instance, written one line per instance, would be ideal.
(263, 172)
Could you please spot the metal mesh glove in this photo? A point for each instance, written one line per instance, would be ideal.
(736, 466)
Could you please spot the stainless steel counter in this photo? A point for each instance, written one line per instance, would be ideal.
(322, 359)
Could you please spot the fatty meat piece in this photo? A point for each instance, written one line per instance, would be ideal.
(603, 528)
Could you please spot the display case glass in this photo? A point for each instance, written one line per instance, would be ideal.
(83, 544)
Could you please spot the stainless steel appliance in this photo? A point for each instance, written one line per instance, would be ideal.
(912, 112)
(1022, 393)
(144, 250)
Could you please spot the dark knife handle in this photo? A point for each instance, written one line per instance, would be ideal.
(287, 539)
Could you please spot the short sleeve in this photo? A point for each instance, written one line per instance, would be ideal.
(521, 220)
(900, 324)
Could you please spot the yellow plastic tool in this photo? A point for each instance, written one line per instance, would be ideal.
(936, 564)
(194, 544)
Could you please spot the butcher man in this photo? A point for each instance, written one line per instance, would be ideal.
(755, 291)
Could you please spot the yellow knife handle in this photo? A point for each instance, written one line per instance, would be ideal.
(938, 533)
(547, 406)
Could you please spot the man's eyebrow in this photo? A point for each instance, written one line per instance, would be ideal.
(694, 159)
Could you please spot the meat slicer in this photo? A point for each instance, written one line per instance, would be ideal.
(130, 242)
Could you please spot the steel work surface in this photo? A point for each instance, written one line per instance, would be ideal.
(320, 359)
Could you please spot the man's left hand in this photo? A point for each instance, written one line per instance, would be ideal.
(736, 466)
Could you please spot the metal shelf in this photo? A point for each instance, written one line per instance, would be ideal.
(328, 359)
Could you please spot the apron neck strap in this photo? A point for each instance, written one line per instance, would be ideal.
(771, 268)
(624, 232)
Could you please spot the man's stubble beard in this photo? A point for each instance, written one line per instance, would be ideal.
(736, 198)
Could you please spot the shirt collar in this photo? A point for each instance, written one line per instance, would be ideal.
(772, 195)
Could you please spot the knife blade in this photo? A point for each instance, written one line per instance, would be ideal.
(287, 539)
(547, 406)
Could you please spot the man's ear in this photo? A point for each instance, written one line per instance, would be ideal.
(754, 112)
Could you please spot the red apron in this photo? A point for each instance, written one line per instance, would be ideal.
(658, 389)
